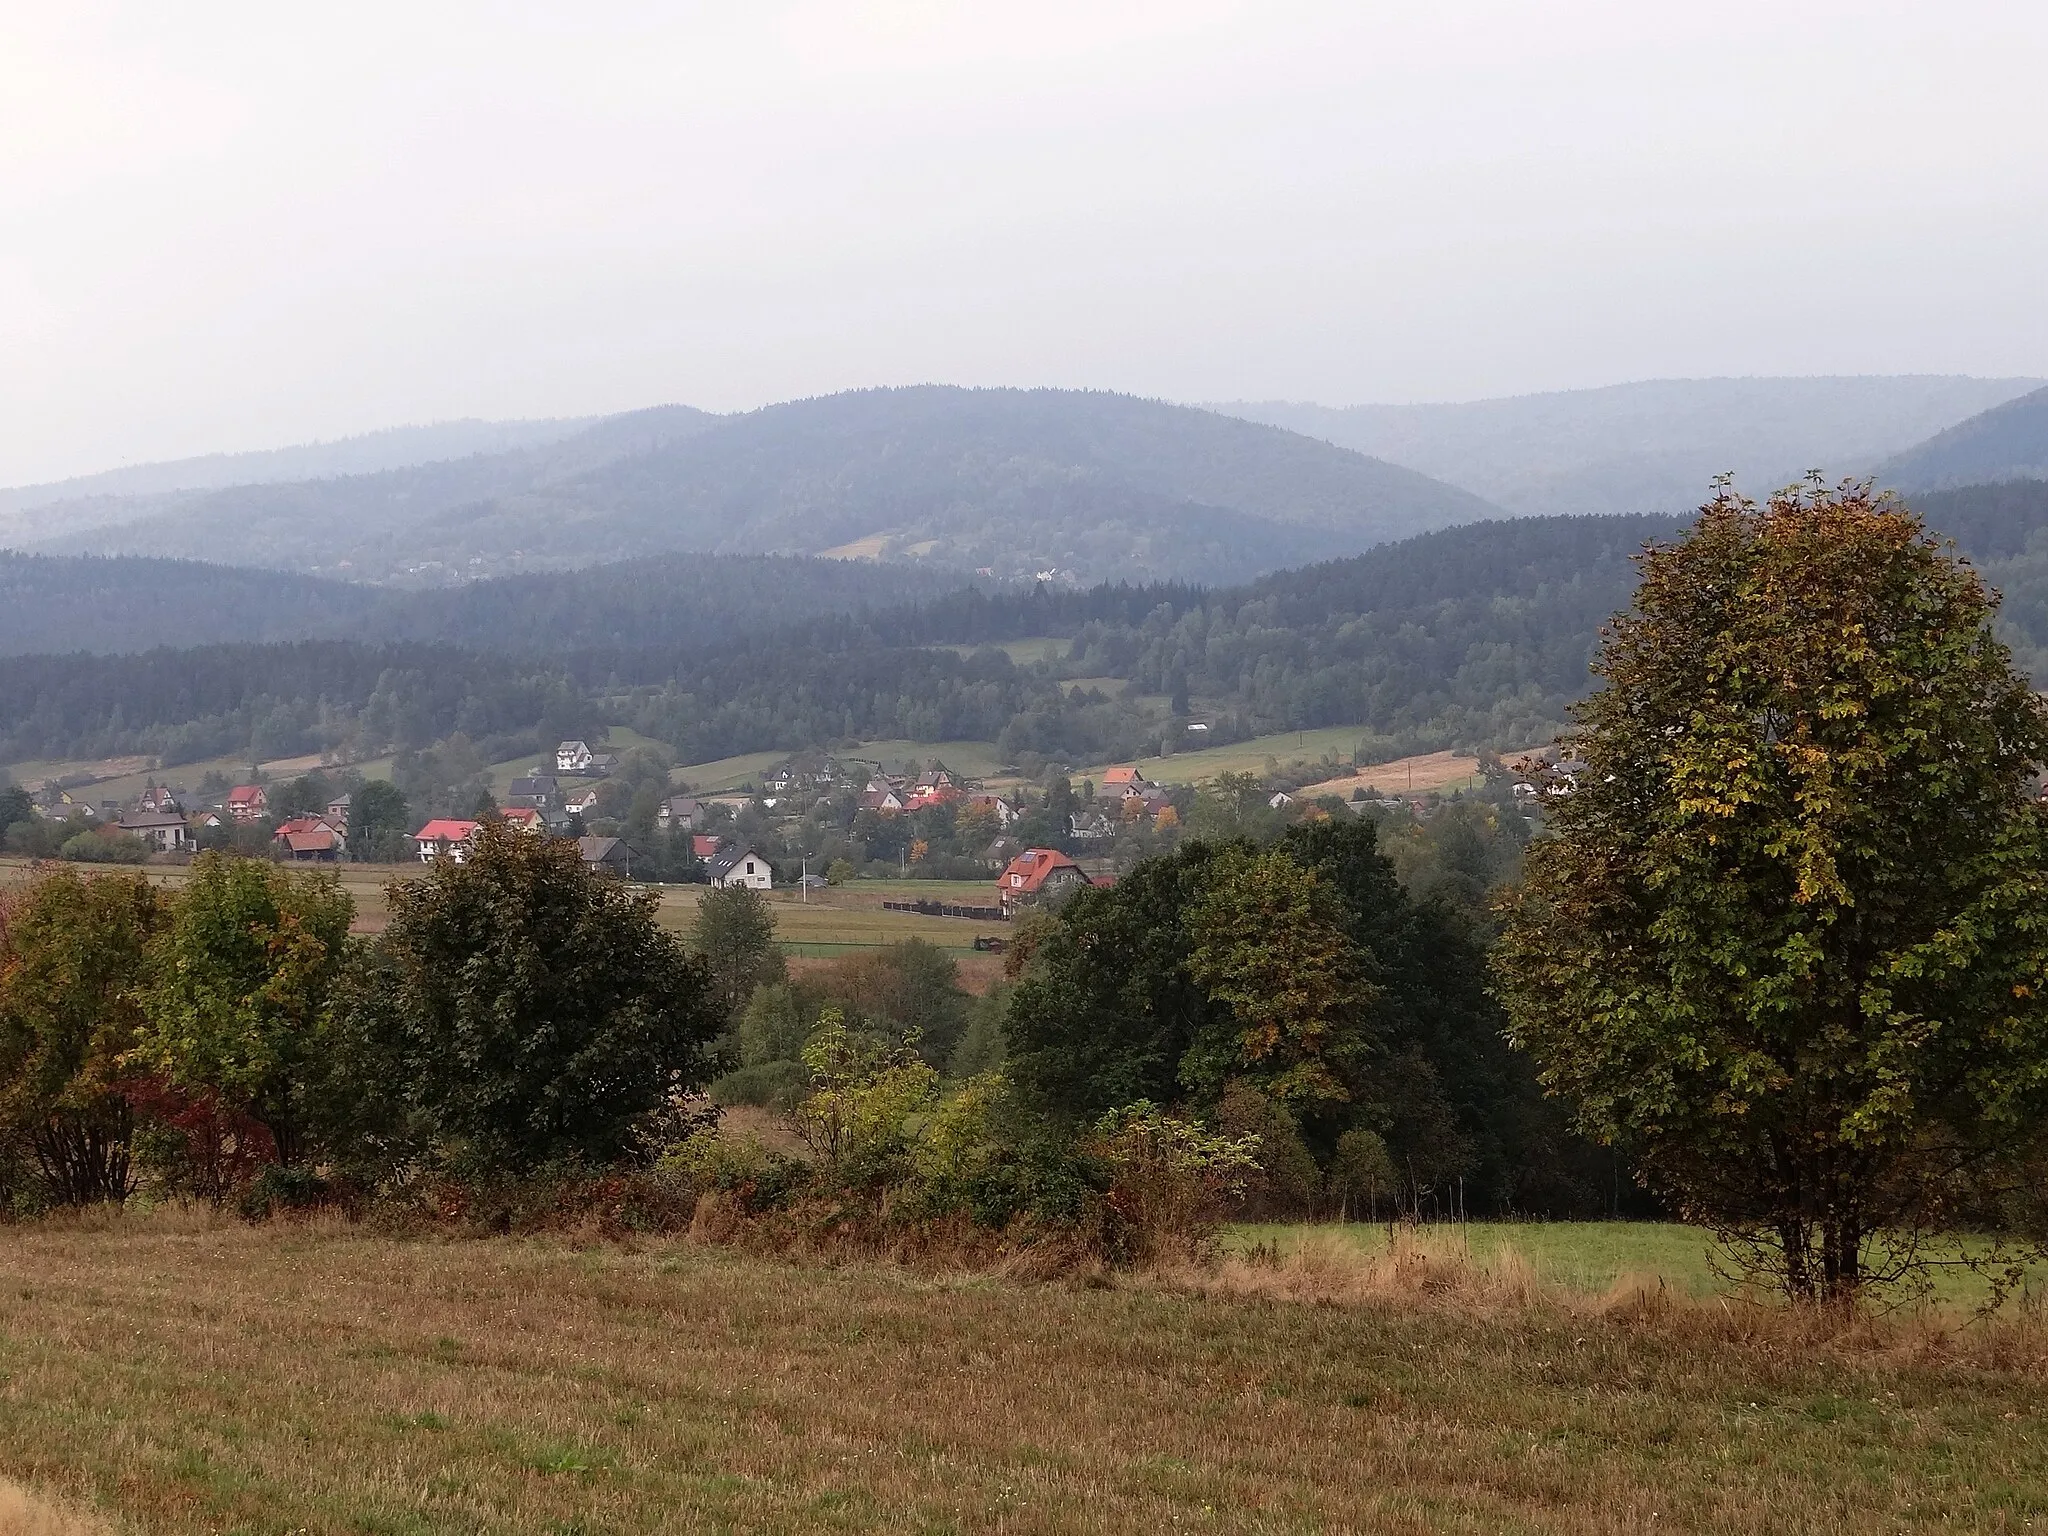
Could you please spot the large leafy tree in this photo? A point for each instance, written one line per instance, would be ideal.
(536, 1008)
(1789, 943)
(72, 956)
(238, 1002)
(1270, 946)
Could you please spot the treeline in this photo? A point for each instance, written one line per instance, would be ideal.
(1470, 637)
(57, 604)
(522, 1022)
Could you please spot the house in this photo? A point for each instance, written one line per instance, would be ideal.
(1119, 782)
(1090, 827)
(995, 805)
(165, 831)
(538, 790)
(337, 813)
(581, 805)
(884, 800)
(601, 765)
(446, 838)
(705, 846)
(1000, 852)
(158, 798)
(1279, 800)
(247, 802)
(738, 865)
(680, 813)
(611, 855)
(524, 818)
(572, 757)
(1035, 874)
(307, 839)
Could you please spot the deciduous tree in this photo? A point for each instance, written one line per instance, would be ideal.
(72, 954)
(1789, 943)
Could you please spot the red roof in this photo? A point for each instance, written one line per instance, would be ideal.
(445, 830)
(1029, 870)
(704, 846)
(524, 817)
(318, 838)
(247, 794)
(303, 824)
(1123, 776)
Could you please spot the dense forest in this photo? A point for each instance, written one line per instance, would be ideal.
(1476, 636)
(54, 604)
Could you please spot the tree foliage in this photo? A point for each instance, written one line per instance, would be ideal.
(537, 1007)
(1789, 944)
(238, 999)
(72, 962)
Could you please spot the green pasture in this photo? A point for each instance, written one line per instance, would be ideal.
(1586, 1256)
(1286, 749)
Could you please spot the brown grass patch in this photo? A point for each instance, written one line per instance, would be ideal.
(196, 1377)
(23, 1513)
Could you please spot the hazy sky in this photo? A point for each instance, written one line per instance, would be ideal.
(231, 226)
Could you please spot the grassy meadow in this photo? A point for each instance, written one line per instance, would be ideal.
(188, 1374)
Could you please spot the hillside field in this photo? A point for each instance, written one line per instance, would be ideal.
(185, 1373)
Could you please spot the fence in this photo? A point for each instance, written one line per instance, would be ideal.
(948, 909)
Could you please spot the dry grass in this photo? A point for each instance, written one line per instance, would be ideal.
(23, 1513)
(199, 1376)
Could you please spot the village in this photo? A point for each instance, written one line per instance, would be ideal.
(806, 824)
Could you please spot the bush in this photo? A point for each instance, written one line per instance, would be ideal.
(766, 1084)
(105, 845)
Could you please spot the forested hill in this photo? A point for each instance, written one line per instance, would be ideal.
(2007, 442)
(1456, 637)
(62, 603)
(1013, 481)
(1477, 636)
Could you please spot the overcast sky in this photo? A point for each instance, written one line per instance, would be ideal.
(231, 226)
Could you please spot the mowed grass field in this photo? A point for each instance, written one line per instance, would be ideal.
(203, 1376)
(828, 922)
(1285, 749)
(1586, 1256)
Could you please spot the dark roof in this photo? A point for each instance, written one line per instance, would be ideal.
(603, 850)
(729, 858)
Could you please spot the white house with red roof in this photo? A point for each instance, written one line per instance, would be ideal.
(247, 802)
(1035, 874)
(524, 818)
(445, 838)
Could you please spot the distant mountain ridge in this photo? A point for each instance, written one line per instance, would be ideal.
(2007, 442)
(365, 453)
(1652, 446)
(1012, 481)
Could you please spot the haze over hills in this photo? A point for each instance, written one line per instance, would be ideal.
(2007, 442)
(366, 453)
(1012, 481)
(1652, 446)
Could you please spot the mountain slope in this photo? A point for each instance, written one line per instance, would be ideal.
(126, 603)
(1651, 446)
(368, 453)
(334, 524)
(1010, 480)
(2007, 442)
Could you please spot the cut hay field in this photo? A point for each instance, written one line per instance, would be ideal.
(830, 922)
(1289, 749)
(187, 1375)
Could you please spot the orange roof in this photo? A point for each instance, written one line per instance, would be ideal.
(1028, 871)
(303, 824)
(525, 817)
(246, 794)
(318, 838)
(445, 830)
(1123, 776)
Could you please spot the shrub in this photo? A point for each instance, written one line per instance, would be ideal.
(1170, 1181)
(766, 1084)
